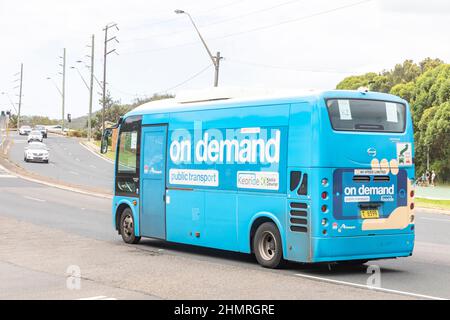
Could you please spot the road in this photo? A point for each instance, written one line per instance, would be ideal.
(70, 162)
(46, 230)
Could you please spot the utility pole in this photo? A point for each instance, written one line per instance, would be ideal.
(216, 67)
(215, 60)
(105, 54)
(20, 95)
(91, 89)
(63, 91)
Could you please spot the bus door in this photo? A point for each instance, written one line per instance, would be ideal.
(153, 181)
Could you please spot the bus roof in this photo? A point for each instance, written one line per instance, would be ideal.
(215, 99)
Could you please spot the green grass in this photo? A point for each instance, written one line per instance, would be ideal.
(111, 154)
(431, 203)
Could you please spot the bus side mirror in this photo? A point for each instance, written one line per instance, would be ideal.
(105, 139)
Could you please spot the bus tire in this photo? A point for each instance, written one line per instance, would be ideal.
(267, 246)
(127, 227)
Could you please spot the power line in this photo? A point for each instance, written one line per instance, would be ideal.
(306, 17)
(136, 95)
(293, 20)
(220, 21)
(196, 13)
(286, 67)
(187, 80)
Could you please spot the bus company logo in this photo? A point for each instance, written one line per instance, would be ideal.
(243, 145)
(372, 152)
(369, 191)
(262, 180)
(346, 227)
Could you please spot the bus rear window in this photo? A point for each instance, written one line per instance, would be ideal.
(366, 115)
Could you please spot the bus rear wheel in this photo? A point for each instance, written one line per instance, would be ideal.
(267, 246)
(127, 227)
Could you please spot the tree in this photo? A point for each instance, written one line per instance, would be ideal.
(426, 86)
(435, 136)
(355, 82)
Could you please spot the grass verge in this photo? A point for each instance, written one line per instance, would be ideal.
(110, 154)
(431, 203)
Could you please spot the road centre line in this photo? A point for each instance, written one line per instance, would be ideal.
(34, 199)
(7, 176)
(97, 298)
(357, 285)
(435, 219)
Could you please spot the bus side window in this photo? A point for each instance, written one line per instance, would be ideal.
(303, 190)
(295, 179)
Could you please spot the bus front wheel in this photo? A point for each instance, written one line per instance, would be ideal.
(127, 227)
(267, 246)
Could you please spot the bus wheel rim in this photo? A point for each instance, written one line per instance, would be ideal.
(128, 226)
(267, 246)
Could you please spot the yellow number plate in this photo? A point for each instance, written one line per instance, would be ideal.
(370, 214)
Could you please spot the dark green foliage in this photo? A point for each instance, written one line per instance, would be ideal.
(426, 86)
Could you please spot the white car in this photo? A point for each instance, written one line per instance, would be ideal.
(36, 151)
(35, 135)
(24, 130)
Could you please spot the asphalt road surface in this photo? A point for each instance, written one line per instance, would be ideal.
(69, 162)
(47, 231)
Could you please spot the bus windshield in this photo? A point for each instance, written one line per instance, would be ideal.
(366, 115)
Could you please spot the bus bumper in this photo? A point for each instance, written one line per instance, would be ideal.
(362, 247)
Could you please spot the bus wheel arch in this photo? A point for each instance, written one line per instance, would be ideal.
(266, 242)
(126, 224)
(119, 212)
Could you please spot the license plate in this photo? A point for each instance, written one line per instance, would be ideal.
(370, 214)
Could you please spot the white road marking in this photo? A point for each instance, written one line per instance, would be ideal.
(92, 166)
(7, 176)
(75, 173)
(357, 285)
(435, 219)
(93, 152)
(34, 199)
(77, 159)
(98, 298)
(5, 173)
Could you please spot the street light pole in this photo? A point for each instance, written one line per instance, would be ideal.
(20, 95)
(81, 76)
(215, 60)
(91, 90)
(63, 90)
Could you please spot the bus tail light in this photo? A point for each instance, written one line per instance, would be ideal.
(411, 205)
(412, 193)
(324, 222)
(324, 195)
(324, 182)
(324, 208)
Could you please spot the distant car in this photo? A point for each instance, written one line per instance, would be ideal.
(24, 130)
(36, 151)
(42, 129)
(57, 129)
(35, 135)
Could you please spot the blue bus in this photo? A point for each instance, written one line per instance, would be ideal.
(315, 177)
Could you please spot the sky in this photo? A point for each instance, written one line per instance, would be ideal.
(294, 44)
